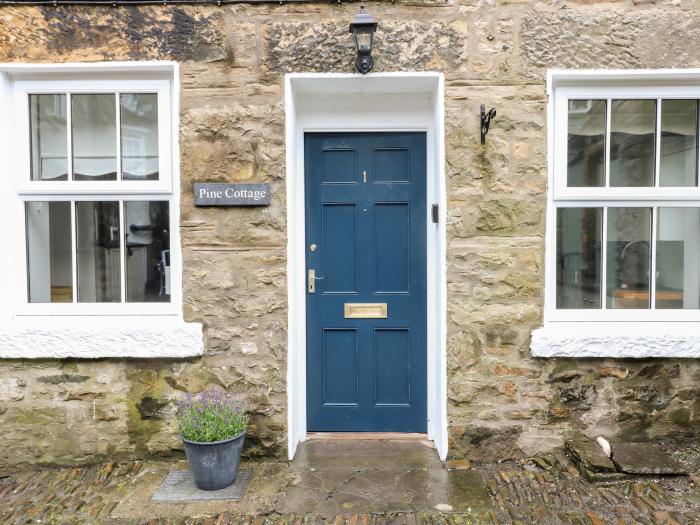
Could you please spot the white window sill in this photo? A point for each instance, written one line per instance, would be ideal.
(623, 340)
(144, 337)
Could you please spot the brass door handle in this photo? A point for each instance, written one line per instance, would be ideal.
(311, 283)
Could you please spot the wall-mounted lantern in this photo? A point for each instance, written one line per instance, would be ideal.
(362, 28)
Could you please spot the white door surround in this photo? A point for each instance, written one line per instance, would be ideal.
(326, 102)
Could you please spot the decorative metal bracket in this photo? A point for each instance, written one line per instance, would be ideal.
(486, 121)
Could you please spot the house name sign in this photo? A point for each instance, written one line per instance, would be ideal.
(224, 194)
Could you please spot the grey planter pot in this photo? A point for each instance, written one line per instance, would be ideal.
(214, 465)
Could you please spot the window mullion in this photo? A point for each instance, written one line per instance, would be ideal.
(69, 136)
(122, 249)
(652, 247)
(657, 145)
(608, 111)
(74, 251)
(604, 261)
(119, 137)
(697, 142)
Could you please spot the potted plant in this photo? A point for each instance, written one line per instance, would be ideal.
(213, 427)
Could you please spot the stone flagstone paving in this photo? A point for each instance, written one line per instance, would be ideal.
(546, 490)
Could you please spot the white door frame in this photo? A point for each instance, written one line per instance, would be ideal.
(327, 102)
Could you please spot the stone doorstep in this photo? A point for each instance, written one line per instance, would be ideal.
(629, 460)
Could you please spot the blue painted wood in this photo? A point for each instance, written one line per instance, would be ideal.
(366, 374)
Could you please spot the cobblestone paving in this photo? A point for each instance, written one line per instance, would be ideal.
(538, 490)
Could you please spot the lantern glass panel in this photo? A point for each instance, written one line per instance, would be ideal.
(363, 38)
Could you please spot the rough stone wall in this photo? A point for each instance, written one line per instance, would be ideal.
(502, 402)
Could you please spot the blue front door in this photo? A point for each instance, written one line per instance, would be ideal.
(366, 220)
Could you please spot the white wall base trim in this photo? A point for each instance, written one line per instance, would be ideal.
(616, 340)
(93, 340)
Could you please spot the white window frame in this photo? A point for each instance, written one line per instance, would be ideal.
(605, 197)
(27, 190)
(87, 330)
(608, 332)
(25, 186)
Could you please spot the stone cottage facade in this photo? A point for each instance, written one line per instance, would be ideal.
(76, 391)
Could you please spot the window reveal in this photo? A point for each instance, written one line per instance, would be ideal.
(586, 143)
(49, 258)
(579, 243)
(147, 241)
(49, 137)
(139, 136)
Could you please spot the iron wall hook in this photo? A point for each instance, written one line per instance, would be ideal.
(486, 121)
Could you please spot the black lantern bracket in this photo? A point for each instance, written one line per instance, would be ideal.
(486, 121)
(362, 28)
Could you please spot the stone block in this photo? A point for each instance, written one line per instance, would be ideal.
(105, 33)
(486, 443)
(589, 455)
(403, 44)
(645, 458)
(63, 378)
(12, 388)
(612, 371)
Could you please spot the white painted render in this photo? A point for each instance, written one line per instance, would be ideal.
(99, 338)
(629, 340)
(374, 102)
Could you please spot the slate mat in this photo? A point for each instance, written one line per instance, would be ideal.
(178, 485)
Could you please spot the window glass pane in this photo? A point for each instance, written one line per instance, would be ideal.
(632, 129)
(97, 228)
(147, 236)
(139, 136)
(579, 241)
(678, 142)
(678, 258)
(94, 133)
(628, 257)
(49, 260)
(48, 136)
(586, 143)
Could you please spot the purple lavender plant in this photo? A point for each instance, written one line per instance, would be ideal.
(211, 416)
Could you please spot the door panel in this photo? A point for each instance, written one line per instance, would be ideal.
(340, 367)
(338, 244)
(391, 247)
(391, 165)
(339, 166)
(392, 366)
(366, 215)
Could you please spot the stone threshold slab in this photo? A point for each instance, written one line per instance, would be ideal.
(178, 486)
(628, 460)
